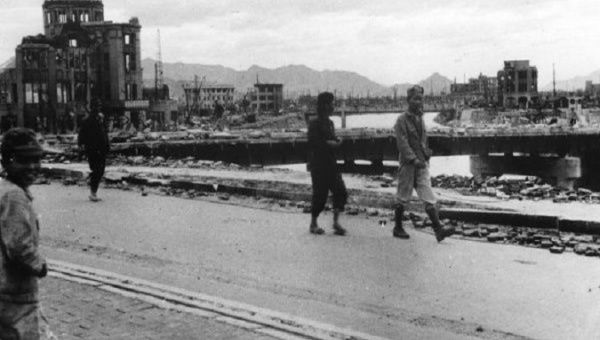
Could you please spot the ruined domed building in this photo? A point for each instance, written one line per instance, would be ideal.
(80, 63)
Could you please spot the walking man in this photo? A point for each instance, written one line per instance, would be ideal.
(94, 139)
(21, 264)
(413, 172)
(323, 166)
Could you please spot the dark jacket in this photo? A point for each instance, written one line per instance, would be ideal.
(411, 139)
(93, 136)
(321, 156)
(20, 260)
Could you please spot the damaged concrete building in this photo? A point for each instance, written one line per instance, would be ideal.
(517, 84)
(201, 97)
(80, 63)
(481, 90)
(267, 97)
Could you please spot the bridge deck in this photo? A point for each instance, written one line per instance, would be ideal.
(371, 144)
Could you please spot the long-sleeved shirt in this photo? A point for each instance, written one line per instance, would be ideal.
(321, 155)
(20, 260)
(93, 136)
(411, 138)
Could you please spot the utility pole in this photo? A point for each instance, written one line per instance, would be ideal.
(158, 69)
(553, 81)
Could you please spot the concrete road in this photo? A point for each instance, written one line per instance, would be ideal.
(366, 281)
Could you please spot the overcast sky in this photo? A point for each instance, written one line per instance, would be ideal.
(388, 41)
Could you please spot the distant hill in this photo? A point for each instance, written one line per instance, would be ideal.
(573, 84)
(297, 79)
(436, 84)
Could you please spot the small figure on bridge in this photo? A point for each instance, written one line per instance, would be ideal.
(323, 166)
(94, 139)
(413, 172)
(21, 264)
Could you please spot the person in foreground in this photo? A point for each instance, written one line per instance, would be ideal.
(21, 264)
(323, 166)
(413, 172)
(94, 139)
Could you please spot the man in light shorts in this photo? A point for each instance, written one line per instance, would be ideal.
(413, 172)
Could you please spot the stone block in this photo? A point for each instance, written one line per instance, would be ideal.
(496, 237)
(580, 248)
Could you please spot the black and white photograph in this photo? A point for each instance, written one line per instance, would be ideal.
(299, 170)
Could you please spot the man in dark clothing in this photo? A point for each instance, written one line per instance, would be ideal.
(94, 139)
(323, 166)
(413, 172)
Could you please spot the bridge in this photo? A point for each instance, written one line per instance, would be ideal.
(564, 155)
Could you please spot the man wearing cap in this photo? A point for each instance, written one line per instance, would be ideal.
(323, 166)
(413, 172)
(21, 263)
(94, 139)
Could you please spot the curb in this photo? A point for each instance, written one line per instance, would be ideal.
(367, 198)
(502, 217)
(277, 324)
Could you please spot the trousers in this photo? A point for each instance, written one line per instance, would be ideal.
(97, 162)
(324, 181)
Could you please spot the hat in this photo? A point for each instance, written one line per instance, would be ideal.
(416, 89)
(20, 142)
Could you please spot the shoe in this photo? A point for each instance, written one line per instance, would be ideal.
(315, 229)
(95, 198)
(399, 232)
(338, 230)
(442, 233)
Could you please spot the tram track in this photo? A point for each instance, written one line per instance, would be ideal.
(260, 320)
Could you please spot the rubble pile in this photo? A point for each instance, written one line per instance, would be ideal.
(555, 241)
(514, 187)
(158, 161)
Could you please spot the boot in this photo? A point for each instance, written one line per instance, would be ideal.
(399, 231)
(440, 231)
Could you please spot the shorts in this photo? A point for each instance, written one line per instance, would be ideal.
(410, 178)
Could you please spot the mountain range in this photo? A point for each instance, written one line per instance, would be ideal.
(300, 79)
(297, 79)
(574, 83)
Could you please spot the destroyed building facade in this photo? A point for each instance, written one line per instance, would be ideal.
(80, 63)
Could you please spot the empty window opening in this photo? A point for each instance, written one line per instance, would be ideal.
(127, 62)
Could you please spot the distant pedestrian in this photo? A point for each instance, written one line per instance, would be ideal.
(94, 139)
(413, 172)
(21, 264)
(572, 117)
(323, 166)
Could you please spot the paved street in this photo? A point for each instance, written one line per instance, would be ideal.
(78, 311)
(366, 281)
